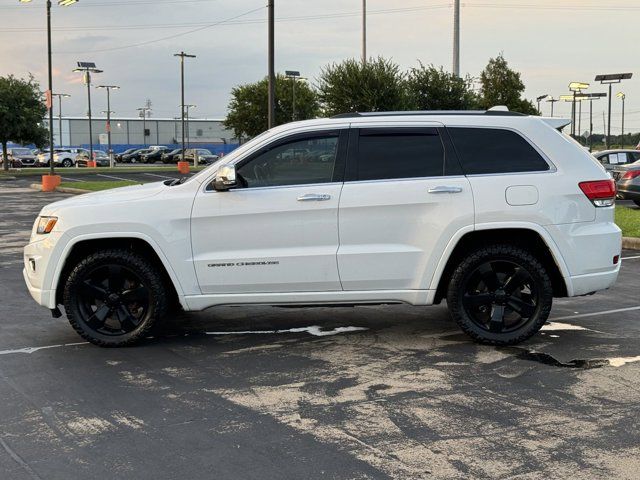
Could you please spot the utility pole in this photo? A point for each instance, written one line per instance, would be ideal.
(108, 88)
(182, 56)
(60, 96)
(143, 113)
(610, 79)
(623, 97)
(552, 101)
(88, 68)
(293, 75)
(456, 38)
(364, 31)
(271, 68)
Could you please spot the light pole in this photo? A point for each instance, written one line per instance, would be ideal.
(623, 97)
(182, 56)
(293, 75)
(60, 97)
(143, 113)
(591, 97)
(552, 101)
(539, 99)
(108, 88)
(62, 3)
(271, 96)
(364, 31)
(575, 88)
(456, 38)
(87, 68)
(187, 107)
(610, 79)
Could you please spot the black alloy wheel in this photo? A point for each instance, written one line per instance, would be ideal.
(114, 297)
(500, 295)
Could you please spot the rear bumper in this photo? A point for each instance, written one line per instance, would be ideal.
(628, 191)
(585, 284)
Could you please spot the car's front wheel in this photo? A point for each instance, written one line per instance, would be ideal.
(67, 162)
(500, 295)
(112, 298)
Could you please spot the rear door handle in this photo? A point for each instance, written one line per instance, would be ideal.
(445, 189)
(314, 197)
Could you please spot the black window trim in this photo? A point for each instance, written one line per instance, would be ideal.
(552, 166)
(342, 133)
(351, 173)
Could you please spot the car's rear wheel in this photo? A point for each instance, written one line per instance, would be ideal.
(114, 297)
(67, 162)
(500, 295)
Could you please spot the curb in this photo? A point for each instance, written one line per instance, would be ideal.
(75, 191)
(631, 243)
(7, 178)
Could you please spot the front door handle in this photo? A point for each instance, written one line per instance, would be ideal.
(314, 197)
(445, 189)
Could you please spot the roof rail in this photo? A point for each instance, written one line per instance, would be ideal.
(496, 113)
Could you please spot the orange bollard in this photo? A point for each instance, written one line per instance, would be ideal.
(50, 182)
(183, 167)
(91, 164)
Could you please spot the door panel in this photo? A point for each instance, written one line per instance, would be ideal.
(392, 233)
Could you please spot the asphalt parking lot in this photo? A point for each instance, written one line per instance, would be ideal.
(345, 393)
(72, 175)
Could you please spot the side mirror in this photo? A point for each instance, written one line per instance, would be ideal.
(225, 178)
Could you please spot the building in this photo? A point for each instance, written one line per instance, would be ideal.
(138, 132)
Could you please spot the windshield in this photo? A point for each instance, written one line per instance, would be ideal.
(21, 151)
(229, 158)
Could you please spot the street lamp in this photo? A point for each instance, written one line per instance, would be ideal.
(591, 97)
(62, 3)
(576, 88)
(610, 79)
(182, 56)
(108, 88)
(552, 101)
(294, 76)
(623, 97)
(187, 107)
(143, 113)
(87, 68)
(60, 97)
(539, 99)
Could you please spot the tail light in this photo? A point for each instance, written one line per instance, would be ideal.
(630, 175)
(602, 193)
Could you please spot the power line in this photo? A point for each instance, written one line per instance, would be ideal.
(131, 3)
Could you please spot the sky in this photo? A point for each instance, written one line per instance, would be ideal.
(551, 42)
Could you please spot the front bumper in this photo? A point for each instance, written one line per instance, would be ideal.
(46, 298)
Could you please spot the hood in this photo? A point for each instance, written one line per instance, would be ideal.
(25, 157)
(113, 196)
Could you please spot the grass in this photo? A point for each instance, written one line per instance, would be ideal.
(97, 186)
(628, 219)
(30, 172)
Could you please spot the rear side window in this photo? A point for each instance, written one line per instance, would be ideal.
(493, 150)
(399, 153)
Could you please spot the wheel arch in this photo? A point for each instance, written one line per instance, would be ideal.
(84, 245)
(532, 237)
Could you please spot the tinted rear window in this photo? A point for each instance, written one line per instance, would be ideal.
(399, 153)
(492, 150)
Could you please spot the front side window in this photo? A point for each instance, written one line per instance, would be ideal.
(493, 150)
(298, 162)
(399, 153)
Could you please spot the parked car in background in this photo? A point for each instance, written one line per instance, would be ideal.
(118, 156)
(64, 157)
(157, 147)
(134, 156)
(627, 179)
(155, 155)
(101, 158)
(13, 162)
(612, 158)
(205, 157)
(24, 155)
(173, 156)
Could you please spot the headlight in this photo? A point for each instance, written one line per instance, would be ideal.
(46, 224)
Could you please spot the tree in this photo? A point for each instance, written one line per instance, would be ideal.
(431, 88)
(21, 113)
(501, 85)
(248, 112)
(354, 86)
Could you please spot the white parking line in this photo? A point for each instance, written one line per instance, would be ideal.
(593, 314)
(111, 176)
(71, 179)
(630, 258)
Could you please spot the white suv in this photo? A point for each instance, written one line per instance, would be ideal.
(495, 212)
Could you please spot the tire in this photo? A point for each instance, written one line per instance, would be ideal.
(500, 295)
(114, 297)
(67, 162)
(637, 202)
